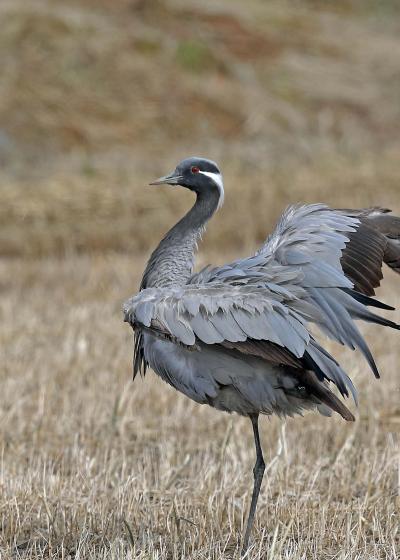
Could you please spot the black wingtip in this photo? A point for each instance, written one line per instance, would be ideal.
(366, 300)
(373, 366)
(392, 325)
(375, 371)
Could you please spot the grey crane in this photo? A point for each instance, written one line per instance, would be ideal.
(237, 337)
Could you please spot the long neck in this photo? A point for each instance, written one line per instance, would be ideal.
(171, 264)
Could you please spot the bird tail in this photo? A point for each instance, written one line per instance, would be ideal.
(325, 395)
(318, 387)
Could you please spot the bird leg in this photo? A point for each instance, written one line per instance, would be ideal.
(258, 472)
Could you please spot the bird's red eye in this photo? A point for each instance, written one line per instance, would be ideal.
(195, 169)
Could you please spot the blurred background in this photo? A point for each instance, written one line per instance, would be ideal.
(297, 101)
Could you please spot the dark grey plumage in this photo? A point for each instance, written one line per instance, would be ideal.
(238, 337)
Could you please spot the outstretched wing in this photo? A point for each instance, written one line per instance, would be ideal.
(330, 252)
(262, 305)
(307, 244)
(355, 243)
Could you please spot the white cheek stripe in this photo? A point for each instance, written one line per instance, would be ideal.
(217, 178)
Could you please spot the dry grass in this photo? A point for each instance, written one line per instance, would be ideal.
(95, 467)
(297, 101)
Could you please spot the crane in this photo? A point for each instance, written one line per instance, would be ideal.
(237, 337)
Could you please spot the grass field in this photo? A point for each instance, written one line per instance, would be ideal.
(297, 101)
(93, 466)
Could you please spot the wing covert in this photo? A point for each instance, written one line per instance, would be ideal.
(219, 312)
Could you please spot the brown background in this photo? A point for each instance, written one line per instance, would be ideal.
(297, 101)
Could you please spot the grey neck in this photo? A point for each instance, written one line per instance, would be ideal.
(171, 264)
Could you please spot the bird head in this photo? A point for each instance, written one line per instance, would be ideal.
(197, 174)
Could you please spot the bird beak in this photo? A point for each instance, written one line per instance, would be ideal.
(170, 179)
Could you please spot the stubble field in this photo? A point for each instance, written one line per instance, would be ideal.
(94, 466)
(297, 101)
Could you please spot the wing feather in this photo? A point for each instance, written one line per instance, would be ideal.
(318, 266)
